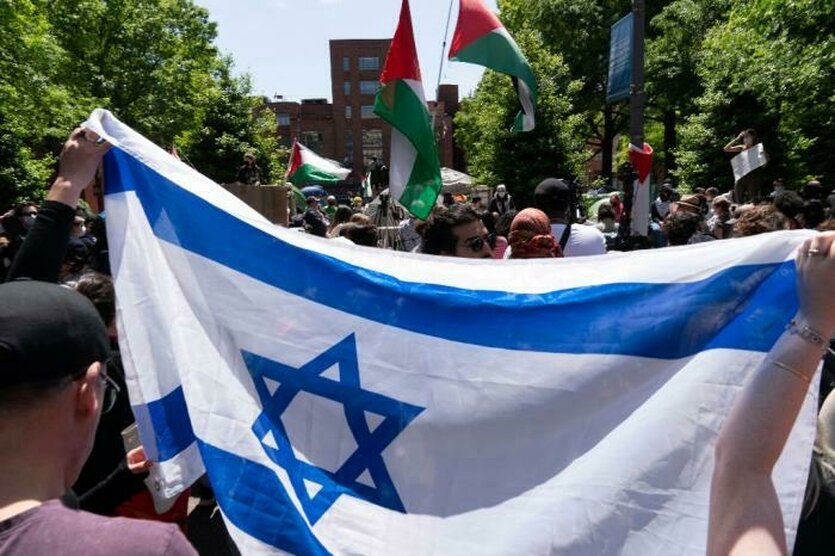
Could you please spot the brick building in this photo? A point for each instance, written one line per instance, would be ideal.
(347, 130)
(355, 77)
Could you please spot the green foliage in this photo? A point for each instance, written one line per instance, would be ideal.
(713, 68)
(233, 126)
(770, 66)
(521, 160)
(153, 63)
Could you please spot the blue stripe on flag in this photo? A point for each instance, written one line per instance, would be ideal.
(254, 500)
(172, 427)
(651, 320)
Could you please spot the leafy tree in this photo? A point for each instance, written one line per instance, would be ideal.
(150, 61)
(231, 127)
(770, 66)
(521, 160)
(36, 107)
(675, 40)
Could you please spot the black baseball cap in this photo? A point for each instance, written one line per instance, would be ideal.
(552, 195)
(47, 332)
(553, 188)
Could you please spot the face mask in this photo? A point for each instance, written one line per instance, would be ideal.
(28, 221)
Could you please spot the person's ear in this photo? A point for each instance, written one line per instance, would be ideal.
(88, 396)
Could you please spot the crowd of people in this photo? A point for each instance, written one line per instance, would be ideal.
(63, 398)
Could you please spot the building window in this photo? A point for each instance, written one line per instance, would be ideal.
(368, 111)
(347, 112)
(346, 87)
(311, 139)
(282, 119)
(349, 147)
(368, 87)
(369, 63)
(346, 63)
(372, 144)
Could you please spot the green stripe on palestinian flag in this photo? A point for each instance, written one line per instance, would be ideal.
(308, 167)
(414, 172)
(480, 38)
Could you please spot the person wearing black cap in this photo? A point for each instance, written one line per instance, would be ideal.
(53, 389)
(553, 197)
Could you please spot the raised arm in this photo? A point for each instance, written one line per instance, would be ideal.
(732, 147)
(43, 250)
(745, 516)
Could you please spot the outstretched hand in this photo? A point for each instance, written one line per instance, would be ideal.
(80, 157)
(816, 282)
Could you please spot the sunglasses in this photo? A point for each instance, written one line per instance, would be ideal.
(477, 243)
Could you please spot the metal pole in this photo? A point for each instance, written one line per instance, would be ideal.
(636, 96)
(441, 66)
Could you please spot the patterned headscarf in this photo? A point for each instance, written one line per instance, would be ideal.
(530, 236)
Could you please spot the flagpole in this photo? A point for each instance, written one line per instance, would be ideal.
(441, 66)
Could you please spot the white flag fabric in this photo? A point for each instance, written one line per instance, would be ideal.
(349, 400)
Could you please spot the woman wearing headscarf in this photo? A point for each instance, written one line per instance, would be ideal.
(530, 236)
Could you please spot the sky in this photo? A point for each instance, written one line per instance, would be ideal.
(283, 44)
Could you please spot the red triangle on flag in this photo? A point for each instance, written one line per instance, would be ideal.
(474, 21)
(295, 159)
(402, 60)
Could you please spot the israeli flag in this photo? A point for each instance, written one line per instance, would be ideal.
(349, 400)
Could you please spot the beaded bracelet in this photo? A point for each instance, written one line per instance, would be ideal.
(807, 333)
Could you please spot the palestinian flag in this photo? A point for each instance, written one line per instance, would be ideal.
(414, 173)
(480, 38)
(308, 167)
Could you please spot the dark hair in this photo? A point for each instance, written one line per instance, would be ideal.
(681, 226)
(438, 237)
(101, 253)
(342, 215)
(605, 211)
(789, 203)
(98, 288)
(813, 190)
(554, 203)
(712, 191)
(505, 220)
(476, 200)
(18, 210)
(760, 219)
(489, 222)
(813, 214)
(754, 137)
(722, 202)
(360, 218)
(360, 234)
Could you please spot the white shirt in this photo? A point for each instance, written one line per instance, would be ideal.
(584, 240)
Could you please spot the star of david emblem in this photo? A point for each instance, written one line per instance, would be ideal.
(277, 385)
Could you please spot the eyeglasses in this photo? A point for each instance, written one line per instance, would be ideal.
(477, 243)
(111, 390)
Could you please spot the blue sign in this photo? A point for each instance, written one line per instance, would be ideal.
(620, 60)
